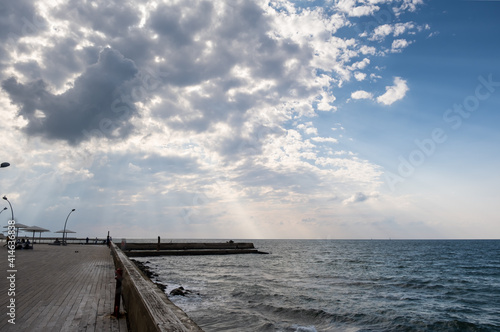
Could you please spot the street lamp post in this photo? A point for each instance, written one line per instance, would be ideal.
(12, 211)
(5, 208)
(64, 230)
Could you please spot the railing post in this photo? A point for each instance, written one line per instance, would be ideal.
(118, 291)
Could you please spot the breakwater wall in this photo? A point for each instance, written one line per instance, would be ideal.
(148, 308)
(188, 249)
(189, 246)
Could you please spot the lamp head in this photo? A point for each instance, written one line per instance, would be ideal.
(5, 208)
(5, 197)
(72, 210)
(4, 165)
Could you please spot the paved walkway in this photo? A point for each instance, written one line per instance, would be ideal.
(60, 288)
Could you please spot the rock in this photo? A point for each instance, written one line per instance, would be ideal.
(180, 291)
(161, 286)
(146, 270)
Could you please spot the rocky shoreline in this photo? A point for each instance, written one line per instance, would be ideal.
(151, 275)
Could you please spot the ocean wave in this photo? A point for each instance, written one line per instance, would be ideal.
(308, 286)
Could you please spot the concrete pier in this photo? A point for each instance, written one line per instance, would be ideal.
(189, 249)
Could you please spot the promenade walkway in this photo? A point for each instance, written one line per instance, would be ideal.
(60, 288)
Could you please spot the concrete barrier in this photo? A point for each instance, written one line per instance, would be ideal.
(148, 308)
(190, 246)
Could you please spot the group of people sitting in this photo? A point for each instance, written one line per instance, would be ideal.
(20, 244)
(24, 244)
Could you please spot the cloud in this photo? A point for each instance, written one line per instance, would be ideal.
(359, 76)
(359, 197)
(324, 139)
(384, 30)
(360, 64)
(394, 93)
(398, 45)
(308, 128)
(409, 5)
(19, 19)
(81, 110)
(360, 94)
(187, 113)
(351, 8)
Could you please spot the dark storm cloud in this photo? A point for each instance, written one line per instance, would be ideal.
(179, 30)
(18, 18)
(58, 63)
(138, 45)
(31, 69)
(82, 110)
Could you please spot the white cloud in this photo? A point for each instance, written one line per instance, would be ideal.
(360, 64)
(359, 76)
(394, 93)
(325, 103)
(384, 30)
(324, 139)
(398, 45)
(368, 50)
(374, 77)
(409, 5)
(308, 128)
(360, 94)
(351, 8)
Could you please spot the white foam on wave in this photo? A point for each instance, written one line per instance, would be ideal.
(299, 328)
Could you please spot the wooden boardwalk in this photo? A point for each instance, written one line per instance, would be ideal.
(61, 288)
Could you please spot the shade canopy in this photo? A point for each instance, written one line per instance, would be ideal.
(17, 225)
(35, 229)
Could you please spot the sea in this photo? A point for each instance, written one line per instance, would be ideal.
(340, 285)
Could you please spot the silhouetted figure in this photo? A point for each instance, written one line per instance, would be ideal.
(27, 244)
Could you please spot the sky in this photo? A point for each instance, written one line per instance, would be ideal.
(341, 119)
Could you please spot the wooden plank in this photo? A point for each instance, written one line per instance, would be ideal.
(62, 288)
